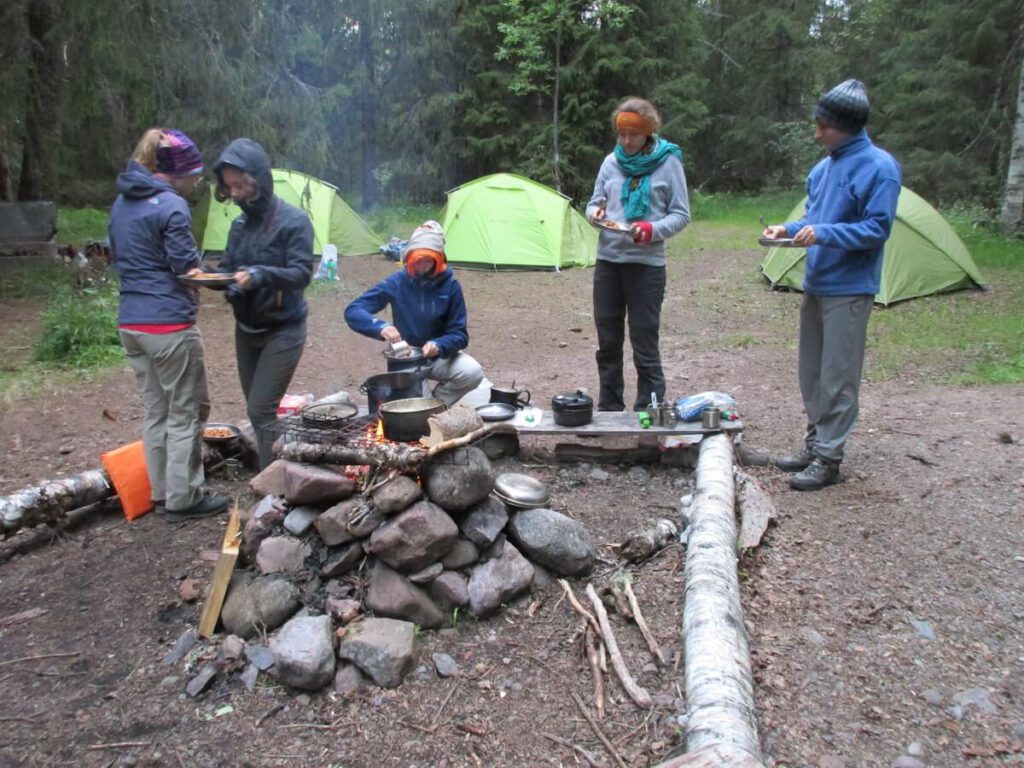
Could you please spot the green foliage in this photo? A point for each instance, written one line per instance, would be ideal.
(76, 226)
(80, 329)
(30, 279)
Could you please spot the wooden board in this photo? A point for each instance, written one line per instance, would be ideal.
(221, 575)
(609, 423)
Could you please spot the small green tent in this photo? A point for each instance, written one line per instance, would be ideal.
(333, 220)
(504, 221)
(922, 256)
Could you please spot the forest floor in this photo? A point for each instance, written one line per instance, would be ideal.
(885, 614)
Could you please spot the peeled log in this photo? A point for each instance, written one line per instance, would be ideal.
(50, 502)
(643, 544)
(755, 508)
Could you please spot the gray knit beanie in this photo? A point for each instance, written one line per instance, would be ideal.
(844, 107)
(429, 235)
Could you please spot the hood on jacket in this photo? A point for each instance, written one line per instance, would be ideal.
(137, 183)
(249, 157)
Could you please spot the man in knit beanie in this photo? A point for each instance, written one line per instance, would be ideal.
(850, 208)
(428, 311)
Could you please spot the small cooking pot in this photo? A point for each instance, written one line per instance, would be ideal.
(397, 385)
(517, 398)
(407, 359)
(406, 420)
(573, 410)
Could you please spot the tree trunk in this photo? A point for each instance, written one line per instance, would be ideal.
(43, 109)
(1013, 200)
(50, 502)
(368, 106)
(555, 106)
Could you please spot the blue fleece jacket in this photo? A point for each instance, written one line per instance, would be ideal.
(851, 203)
(151, 242)
(424, 309)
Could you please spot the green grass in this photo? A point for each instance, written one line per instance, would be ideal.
(733, 222)
(79, 225)
(80, 329)
(31, 279)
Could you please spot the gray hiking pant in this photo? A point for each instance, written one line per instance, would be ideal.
(833, 331)
(266, 363)
(456, 375)
(171, 373)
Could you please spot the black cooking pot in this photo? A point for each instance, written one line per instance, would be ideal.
(385, 387)
(573, 410)
(406, 420)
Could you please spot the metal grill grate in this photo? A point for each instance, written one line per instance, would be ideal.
(293, 428)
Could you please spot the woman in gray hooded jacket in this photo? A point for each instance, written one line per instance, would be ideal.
(270, 253)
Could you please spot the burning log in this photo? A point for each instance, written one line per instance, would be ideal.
(402, 456)
(50, 502)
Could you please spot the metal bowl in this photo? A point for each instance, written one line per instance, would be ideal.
(520, 490)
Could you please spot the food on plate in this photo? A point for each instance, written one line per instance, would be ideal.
(218, 433)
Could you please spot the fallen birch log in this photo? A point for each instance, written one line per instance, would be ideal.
(50, 502)
(756, 510)
(719, 684)
(455, 422)
(643, 544)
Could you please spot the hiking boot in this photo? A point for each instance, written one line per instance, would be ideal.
(159, 506)
(819, 473)
(795, 462)
(206, 507)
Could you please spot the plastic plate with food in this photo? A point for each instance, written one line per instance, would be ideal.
(612, 226)
(777, 242)
(208, 279)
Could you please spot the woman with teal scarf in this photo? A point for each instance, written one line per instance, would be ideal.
(641, 184)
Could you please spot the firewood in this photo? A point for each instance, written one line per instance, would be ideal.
(456, 422)
(50, 502)
(623, 581)
(221, 575)
(637, 693)
(590, 642)
(645, 543)
(755, 508)
(597, 730)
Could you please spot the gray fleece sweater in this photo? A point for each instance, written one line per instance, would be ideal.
(669, 212)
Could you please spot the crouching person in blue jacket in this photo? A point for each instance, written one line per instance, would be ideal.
(428, 311)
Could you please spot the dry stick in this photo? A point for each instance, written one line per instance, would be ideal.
(597, 730)
(318, 726)
(638, 617)
(16, 719)
(579, 608)
(588, 756)
(120, 745)
(590, 643)
(269, 713)
(15, 618)
(639, 696)
(451, 692)
(39, 657)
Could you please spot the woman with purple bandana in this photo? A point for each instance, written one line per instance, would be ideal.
(152, 244)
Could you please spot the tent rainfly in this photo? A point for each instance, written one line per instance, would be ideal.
(922, 256)
(333, 220)
(504, 221)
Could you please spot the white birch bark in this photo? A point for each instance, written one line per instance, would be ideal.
(1013, 199)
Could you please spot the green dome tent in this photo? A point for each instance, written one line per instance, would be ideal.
(922, 256)
(333, 220)
(504, 221)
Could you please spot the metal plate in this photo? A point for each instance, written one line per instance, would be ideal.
(519, 489)
(781, 242)
(496, 411)
(208, 279)
(617, 227)
(216, 432)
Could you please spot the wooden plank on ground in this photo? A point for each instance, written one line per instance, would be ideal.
(610, 423)
(221, 575)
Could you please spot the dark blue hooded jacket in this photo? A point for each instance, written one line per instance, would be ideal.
(151, 241)
(273, 241)
(424, 309)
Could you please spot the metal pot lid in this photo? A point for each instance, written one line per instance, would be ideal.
(519, 488)
(577, 399)
(496, 411)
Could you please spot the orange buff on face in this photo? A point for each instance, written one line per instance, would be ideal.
(434, 258)
(634, 121)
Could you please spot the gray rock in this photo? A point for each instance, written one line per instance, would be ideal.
(396, 494)
(249, 676)
(979, 698)
(332, 525)
(497, 581)
(343, 560)
(260, 656)
(264, 515)
(445, 665)
(813, 636)
(830, 761)
(415, 538)
(304, 653)
(231, 648)
(638, 476)
(559, 543)
(305, 484)
(391, 594)
(381, 648)
(182, 645)
(427, 575)
(458, 479)
(484, 521)
(908, 761)
(256, 604)
(342, 610)
(364, 520)
(924, 629)
(281, 554)
(463, 553)
(348, 679)
(450, 590)
(499, 445)
(915, 749)
(301, 519)
(747, 456)
(542, 578)
(933, 697)
(200, 680)
(598, 475)
(270, 482)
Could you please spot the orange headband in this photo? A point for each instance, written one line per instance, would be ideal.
(634, 121)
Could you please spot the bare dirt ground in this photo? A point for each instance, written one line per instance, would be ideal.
(875, 608)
